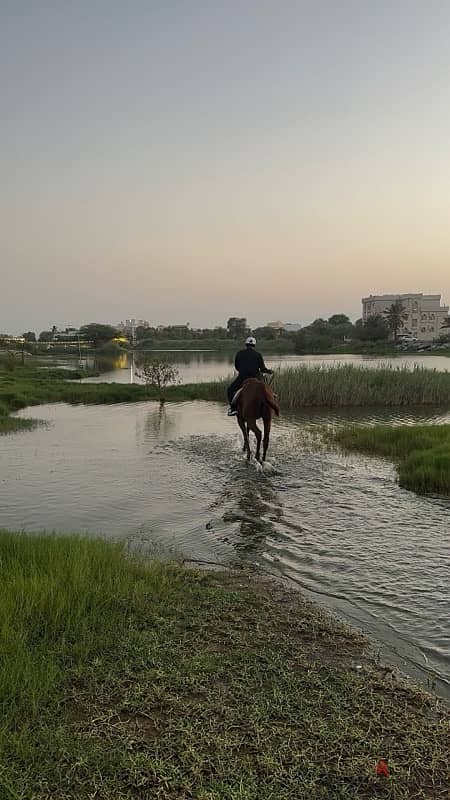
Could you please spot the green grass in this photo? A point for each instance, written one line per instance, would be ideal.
(421, 452)
(129, 680)
(345, 385)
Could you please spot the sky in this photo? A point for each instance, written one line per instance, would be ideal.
(191, 160)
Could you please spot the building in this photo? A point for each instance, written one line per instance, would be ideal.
(130, 326)
(425, 314)
(66, 334)
(284, 327)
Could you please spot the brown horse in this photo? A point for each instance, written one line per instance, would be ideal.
(256, 400)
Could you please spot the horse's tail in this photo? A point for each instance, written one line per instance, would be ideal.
(273, 405)
(271, 402)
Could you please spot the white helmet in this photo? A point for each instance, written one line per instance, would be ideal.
(250, 340)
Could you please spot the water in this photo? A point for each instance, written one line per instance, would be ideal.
(207, 366)
(174, 478)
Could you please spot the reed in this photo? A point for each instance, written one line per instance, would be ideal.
(345, 385)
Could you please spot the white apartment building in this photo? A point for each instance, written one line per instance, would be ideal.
(129, 326)
(425, 314)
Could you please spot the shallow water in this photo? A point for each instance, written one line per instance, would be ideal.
(174, 478)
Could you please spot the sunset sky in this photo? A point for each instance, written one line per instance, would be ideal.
(191, 160)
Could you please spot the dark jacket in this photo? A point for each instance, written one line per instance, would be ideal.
(249, 363)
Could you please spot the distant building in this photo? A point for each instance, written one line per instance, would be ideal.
(130, 325)
(66, 334)
(284, 327)
(425, 314)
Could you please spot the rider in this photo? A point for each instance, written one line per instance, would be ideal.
(249, 364)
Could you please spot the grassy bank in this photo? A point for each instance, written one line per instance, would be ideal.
(420, 452)
(127, 680)
(297, 387)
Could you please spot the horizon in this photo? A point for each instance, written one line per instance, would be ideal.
(259, 159)
(252, 326)
(63, 325)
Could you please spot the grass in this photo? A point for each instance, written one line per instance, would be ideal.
(421, 452)
(128, 680)
(317, 386)
(345, 385)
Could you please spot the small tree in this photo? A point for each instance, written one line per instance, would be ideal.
(159, 374)
(395, 315)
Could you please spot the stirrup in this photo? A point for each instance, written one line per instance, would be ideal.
(232, 412)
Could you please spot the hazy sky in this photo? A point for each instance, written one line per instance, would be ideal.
(195, 159)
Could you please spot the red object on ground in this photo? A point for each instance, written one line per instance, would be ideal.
(382, 768)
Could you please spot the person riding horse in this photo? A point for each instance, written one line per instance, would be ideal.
(248, 364)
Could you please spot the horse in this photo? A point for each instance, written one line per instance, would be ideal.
(255, 400)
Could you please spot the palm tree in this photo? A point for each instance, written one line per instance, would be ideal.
(395, 315)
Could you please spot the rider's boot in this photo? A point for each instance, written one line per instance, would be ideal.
(232, 411)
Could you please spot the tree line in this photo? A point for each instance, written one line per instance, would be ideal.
(321, 335)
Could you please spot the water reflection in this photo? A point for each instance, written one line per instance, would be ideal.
(252, 509)
(159, 422)
(110, 364)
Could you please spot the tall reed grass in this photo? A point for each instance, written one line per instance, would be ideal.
(344, 385)
(348, 385)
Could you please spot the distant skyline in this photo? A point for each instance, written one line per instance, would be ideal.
(194, 161)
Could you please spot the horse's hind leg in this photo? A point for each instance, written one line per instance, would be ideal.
(246, 448)
(267, 425)
(245, 440)
(253, 427)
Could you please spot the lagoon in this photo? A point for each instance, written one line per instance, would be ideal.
(172, 478)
